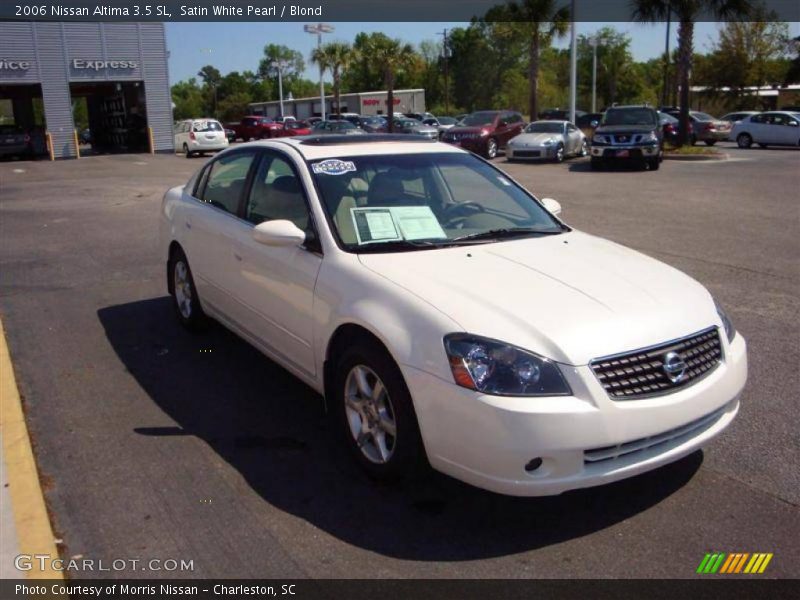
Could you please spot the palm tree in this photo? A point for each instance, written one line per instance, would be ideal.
(686, 12)
(335, 57)
(540, 21)
(390, 56)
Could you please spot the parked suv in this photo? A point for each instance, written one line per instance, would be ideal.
(628, 133)
(486, 131)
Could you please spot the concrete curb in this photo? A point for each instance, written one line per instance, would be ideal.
(34, 535)
(696, 157)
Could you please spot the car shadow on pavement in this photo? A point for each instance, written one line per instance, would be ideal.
(273, 430)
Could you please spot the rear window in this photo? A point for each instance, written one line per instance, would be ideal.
(200, 126)
(700, 116)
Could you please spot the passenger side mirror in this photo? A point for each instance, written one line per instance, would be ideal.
(278, 233)
(553, 206)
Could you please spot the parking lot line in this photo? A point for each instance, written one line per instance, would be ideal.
(34, 534)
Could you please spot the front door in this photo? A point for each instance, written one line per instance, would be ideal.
(275, 288)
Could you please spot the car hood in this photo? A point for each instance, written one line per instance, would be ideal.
(570, 297)
(463, 129)
(535, 139)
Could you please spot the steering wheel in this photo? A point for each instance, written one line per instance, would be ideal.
(461, 210)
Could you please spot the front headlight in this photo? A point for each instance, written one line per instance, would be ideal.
(730, 330)
(599, 139)
(651, 137)
(492, 367)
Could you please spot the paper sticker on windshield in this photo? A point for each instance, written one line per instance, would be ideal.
(374, 225)
(333, 166)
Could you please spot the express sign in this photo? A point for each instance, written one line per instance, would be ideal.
(99, 65)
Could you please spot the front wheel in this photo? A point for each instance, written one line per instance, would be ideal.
(743, 140)
(559, 153)
(653, 164)
(596, 164)
(376, 413)
(584, 148)
(491, 148)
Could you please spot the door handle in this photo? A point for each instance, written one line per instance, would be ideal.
(237, 256)
(188, 225)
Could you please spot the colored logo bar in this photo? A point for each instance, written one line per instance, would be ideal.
(734, 562)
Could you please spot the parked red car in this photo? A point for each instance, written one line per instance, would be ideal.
(254, 127)
(292, 128)
(486, 131)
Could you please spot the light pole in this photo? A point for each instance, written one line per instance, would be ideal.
(280, 65)
(445, 56)
(213, 83)
(318, 30)
(573, 65)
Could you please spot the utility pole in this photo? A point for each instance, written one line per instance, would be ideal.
(593, 40)
(445, 56)
(573, 65)
(280, 65)
(318, 30)
(665, 88)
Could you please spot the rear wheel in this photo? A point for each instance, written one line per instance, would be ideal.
(184, 294)
(376, 413)
(491, 148)
(743, 140)
(187, 152)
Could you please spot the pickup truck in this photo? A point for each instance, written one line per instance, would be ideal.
(255, 127)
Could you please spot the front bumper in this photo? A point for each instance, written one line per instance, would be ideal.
(625, 152)
(488, 440)
(531, 152)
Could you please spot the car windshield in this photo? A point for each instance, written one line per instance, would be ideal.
(296, 125)
(545, 127)
(342, 125)
(478, 119)
(629, 116)
(400, 202)
(199, 126)
(665, 118)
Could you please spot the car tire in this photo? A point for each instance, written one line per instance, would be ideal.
(185, 300)
(653, 164)
(379, 428)
(710, 142)
(187, 152)
(491, 148)
(584, 148)
(596, 164)
(744, 140)
(559, 157)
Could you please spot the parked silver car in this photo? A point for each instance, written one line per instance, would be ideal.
(777, 128)
(548, 140)
(406, 125)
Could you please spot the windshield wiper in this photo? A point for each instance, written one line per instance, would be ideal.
(507, 232)
(395, 246)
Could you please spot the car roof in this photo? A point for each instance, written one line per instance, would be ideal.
(314, 147)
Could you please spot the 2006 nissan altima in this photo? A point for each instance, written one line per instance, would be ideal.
(447, 314)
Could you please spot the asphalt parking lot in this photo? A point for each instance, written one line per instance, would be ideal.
(153, 443)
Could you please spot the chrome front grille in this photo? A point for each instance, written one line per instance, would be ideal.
(626, 138)
(662, 441)
(656, 370)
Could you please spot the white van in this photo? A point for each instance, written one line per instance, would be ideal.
(196, 136)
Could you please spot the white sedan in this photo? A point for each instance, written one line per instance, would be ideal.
(548, 140)
(447, 315)
(778, 128)
(196, 136)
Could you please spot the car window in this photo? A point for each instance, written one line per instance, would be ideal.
(571, 127)
(226, 181)
(701, 116)
(758, 119)
(201, 126)
(779, 119)
(433, 197)
(276, 193)
(479, 119)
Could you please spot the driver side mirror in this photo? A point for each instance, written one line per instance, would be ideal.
(278, 233)
(552, 206)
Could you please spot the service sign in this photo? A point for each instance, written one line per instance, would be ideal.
(14, 65)
(99, 65)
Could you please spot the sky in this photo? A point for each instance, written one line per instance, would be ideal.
(239, 46)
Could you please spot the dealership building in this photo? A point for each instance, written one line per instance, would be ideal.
(102, 85)
(363, 103)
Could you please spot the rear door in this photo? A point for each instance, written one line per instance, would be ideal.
(213, 224)
(573, 136)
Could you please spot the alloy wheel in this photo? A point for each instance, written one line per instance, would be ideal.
(183, 289)
(491, 148)
(370, 414)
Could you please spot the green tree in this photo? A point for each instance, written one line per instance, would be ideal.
(687, 12)
(188, 99)
(336, 58)
(391, 56)
(618, 79)
(539, 21)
